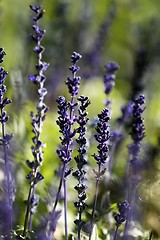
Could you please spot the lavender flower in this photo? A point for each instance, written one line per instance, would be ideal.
(102, 137)
(109, 78)
(37, 121)
(121, 216)
(137, 134)
(65, 122)
(5, 140)
(74, 81)
(79, 174)
(138, 130)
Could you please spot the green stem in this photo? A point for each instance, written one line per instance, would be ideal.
(151, 234)
(27, 215)
(95, 203)
(115, 234)
(65, 208)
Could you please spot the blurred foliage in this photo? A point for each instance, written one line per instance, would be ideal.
(125, 31)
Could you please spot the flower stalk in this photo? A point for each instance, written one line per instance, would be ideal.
(102, 137)
(5, 140)
(37, 121)
(65, 122)
(81, 161)
(137, 135)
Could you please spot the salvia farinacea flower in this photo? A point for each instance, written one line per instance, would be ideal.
(138, 130)
(37, 120)
(81, 161)
(109, 78)
(102, 136)
(137, 127)
(66, 120)
(5, 138)
(122, 215)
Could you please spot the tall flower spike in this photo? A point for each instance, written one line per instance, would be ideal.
(137, 134)
(5, 140)
(109, 78)
(65, 122)
(138, 130)
(102, 136)
(121, 217)
(80, 159)
(36, 120)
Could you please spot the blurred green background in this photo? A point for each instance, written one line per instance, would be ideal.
(124, 31)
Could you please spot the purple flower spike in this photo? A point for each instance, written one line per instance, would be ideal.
(5, 138)
(2, 54)
(122, 215)
(102, 137)
(74, 81)
(112, 67)
(37, 120)
(109, 78)
(138, 130)
(75, 57)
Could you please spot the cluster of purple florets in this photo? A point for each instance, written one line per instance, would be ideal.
(109, 78)
(3, 101)
(138, 130)
(80, 159)
(102, 136)
(74, 81)
(122, 215)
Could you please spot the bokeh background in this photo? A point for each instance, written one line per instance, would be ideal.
(124, 31)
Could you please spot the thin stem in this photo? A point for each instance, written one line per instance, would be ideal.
(95, 203)
(31, 214)
(59, 188)
(115, 234)
(151, 234)
(79, 227)
(26, 220)
(65, 208)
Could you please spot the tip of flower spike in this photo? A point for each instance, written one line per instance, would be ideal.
(112, 67)
(35, 8)
(75, 57)
(2, 54)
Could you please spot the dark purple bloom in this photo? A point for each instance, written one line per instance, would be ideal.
(111, 67)
(138, 130)
(3, 75)
(75, 57)
(80, 159)
(102, 137)
(74, 81)
(37, 120)
(39, 12)
(8, 189)
(2, 54)
(109, 78)
(64, 122)
(36, 9)
(122, 215)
